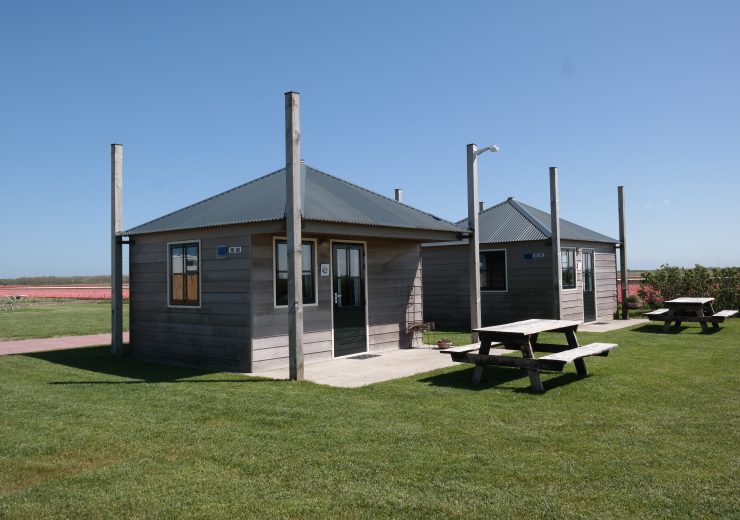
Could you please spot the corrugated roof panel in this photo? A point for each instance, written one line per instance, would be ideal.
(326, 198)
(568, 230)
(513, 221)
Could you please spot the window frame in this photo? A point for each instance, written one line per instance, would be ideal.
(506, 270)
(314, 265)
(575, 270)
(169, 275)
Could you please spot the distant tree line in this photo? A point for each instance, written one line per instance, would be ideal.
(669, 282)
(59, 280)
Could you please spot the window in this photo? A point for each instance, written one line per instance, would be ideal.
(281, 273)
(568, 261)
(493, 270)
(185, 274)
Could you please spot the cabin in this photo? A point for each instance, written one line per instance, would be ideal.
(208, 283)
(516, 271)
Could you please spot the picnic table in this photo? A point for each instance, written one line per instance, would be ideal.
(523, 336)
(690, 309)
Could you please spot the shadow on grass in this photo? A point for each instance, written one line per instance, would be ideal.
(658, 329)
(100, 361)
(494, 377)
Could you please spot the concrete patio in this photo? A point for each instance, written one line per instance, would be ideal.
(366, 369)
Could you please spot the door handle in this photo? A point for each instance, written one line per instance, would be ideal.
(337, 299)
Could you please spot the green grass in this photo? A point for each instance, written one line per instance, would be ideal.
(52, 319)
(652, 433)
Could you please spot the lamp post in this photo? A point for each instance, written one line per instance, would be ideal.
(473, 241)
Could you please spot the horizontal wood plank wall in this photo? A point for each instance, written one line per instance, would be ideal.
(528, 294)
(394, 293)
(214, 336)
(270, 324)
(606, 285)
(445, 286)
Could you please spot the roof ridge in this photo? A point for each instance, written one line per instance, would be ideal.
(380, 195)
(532, 220)
(484, 211)
(208, 198)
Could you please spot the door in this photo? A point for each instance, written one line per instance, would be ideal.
(349, 299)
(589, 287)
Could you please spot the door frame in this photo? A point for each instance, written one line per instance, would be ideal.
(583, 281)
(332, 241)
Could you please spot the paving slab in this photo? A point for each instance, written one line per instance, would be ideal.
(606, 326)
(26, 346)
(368, 368)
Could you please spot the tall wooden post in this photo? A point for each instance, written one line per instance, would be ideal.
(473, 242)
(623, 253)
(293, 225)
(116, 255)
(555, 232)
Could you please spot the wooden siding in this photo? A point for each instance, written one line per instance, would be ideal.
(216, 335)
(394, 299)
(270, 323)
(394, 293)
(606, 285)
(529, 290)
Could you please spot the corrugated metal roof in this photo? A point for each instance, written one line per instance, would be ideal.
(513, 221)
(326, 198)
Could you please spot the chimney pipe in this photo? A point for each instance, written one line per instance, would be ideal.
(399, 195)
(480, 206)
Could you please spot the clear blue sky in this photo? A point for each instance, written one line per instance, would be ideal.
(642, 94)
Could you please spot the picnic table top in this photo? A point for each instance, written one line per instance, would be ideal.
(529, 327)
(689, 301)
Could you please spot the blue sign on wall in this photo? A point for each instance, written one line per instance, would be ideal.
(222, 251)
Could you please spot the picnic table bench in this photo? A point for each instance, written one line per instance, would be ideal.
(522, 336)
(699, 310)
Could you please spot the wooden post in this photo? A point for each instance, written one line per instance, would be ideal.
(623, 253)
(116, 256)
(293, 226)
(555, 233)
(473, 242)
(399, 195)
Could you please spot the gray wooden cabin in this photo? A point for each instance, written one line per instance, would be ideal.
(516, 271)
(208, 283)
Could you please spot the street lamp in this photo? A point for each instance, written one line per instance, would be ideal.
(473, 240)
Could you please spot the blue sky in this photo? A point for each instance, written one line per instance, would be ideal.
(640, 94)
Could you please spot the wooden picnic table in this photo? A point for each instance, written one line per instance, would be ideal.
(523, 336)
(683, 309)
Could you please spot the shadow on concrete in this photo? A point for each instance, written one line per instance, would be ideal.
(494, 378)
(99, 360)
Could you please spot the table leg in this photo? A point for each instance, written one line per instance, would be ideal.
(700, 314)
(710, 309)
(485, 348)
(533, 373)
(580, 363)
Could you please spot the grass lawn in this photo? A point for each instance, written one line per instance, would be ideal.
(51, 319)
(652, 433)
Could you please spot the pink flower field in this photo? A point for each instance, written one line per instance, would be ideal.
(91, 292)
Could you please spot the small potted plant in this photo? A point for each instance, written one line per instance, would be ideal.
(444, 343)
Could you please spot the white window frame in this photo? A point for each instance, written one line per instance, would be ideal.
(277, 239)
(169, 275)
(506, 270)
(575, 269)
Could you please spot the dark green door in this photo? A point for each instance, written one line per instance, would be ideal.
(349, 299)
(589, 287)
